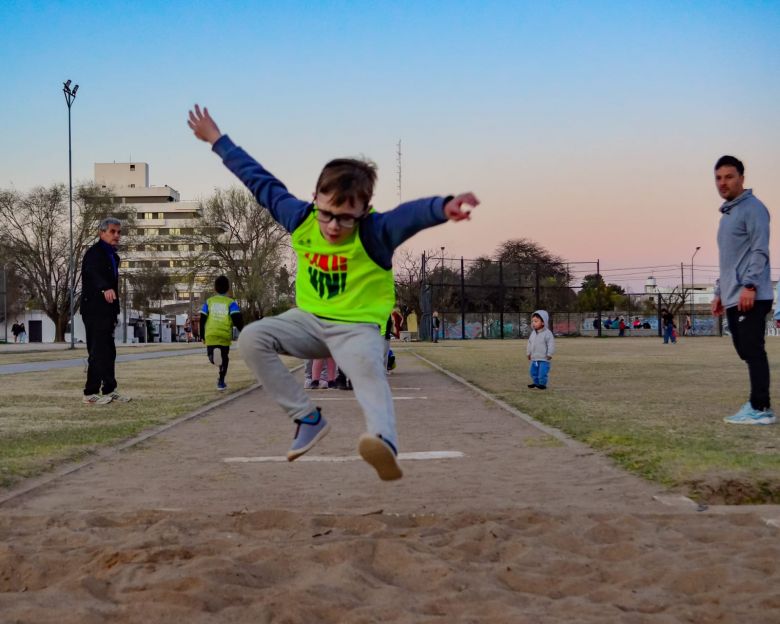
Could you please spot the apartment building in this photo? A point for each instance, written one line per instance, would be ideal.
(163, 232)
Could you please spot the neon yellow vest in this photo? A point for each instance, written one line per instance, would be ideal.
(340, 283)
(219, 327)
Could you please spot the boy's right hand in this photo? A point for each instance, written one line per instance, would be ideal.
(203, 125)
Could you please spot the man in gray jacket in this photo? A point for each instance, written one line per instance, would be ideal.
(744, 289)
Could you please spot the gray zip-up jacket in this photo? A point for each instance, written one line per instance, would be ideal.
(541, 344)
(743, 246)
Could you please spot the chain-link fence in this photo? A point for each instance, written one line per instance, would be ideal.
(496, 299)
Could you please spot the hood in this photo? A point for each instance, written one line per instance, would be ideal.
(726, 206)
(545, 317)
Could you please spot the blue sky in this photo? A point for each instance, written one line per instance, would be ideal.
(590, 127)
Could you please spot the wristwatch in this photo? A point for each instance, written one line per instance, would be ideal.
(750, 287)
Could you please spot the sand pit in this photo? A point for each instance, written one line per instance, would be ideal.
(521, 528)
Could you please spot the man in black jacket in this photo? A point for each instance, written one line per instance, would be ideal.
(99, 310)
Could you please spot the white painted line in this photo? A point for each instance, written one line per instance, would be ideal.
(334, 459)
(351, 398)
(399, 388)
(675, 500)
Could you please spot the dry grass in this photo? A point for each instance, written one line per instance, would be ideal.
(656, 409)
(43, 422)
(22, 356)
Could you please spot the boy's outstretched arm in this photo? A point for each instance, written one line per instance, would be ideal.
(285, 208)
(203, 125)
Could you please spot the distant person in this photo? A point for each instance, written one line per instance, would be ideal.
(646, 325)
(15, 330)
(637, 323)
(22, 333)
(100, 311)
(622, 326)
(219, 315)
(344, 288)
(540, 349)
(436, 324)
(608, 323)
(744, 288)
(188, 329)
(398, 322)
(596, 324)
(667, 320)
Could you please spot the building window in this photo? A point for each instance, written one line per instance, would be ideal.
(125, 264)
(175, 231)
(148, 215)
(132, 167)
(160, 215)
(151, 232)
(132, 186)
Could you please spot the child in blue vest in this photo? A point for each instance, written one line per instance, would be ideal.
(344, 289)
(218, 316)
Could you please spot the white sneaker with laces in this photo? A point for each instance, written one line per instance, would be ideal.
(119, 398)
(97, 399)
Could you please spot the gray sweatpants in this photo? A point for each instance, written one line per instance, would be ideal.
(357, 348)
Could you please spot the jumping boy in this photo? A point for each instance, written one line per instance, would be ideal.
(218, 316)
(344, 288)
(540, 349)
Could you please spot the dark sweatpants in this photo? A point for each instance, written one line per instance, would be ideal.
(225, 351)
(747, 331)
(102, 354)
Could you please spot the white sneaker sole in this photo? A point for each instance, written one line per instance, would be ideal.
(379, 455)
(756, 421)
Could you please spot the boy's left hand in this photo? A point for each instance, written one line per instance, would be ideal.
(453, 209)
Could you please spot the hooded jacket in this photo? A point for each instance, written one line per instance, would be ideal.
(743, 247)
(541, 344)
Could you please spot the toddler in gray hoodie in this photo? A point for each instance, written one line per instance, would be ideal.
(540, 349)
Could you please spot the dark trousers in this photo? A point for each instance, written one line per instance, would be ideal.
(747, 331)
(102, 354)
(225, 359)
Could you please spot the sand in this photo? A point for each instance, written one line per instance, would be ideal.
(521, 528)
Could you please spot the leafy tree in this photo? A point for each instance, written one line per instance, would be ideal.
(595, 294)
(34, 228)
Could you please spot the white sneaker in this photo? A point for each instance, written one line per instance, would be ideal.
(97, 399)
(119, 398)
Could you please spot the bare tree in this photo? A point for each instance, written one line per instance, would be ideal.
(150, 285)
(34, 228)
(245, 243)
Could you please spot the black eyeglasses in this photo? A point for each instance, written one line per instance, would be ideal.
(343, 220)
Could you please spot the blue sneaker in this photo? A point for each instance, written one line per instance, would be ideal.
(749, 416)
(311, 429)
(221, 385)
(381, 455)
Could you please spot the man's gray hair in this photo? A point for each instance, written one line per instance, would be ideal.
(103, 227)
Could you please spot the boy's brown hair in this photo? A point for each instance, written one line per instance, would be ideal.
(351, 181)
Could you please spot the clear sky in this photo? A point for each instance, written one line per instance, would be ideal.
(590, 127)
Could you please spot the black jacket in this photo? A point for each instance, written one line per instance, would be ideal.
(98, 275)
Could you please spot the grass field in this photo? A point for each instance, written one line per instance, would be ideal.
(43, 422)
(23, 357)
(655, 409)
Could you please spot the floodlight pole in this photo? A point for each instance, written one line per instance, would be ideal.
(70, 96)
(692, 289)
